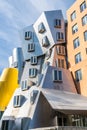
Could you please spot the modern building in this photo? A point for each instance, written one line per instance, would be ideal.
(77, 44)
(48, 97)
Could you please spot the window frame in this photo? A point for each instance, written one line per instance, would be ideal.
(28, 35)
(24, 85)
(84, 20)
(76, 43)
(82, 6)
(41, 28)
(31, 47)
(73, 15)
(57, 78)
(78, 58)
(76, 28)
(57, 23)
(33, 60)
(32, 72)
(45, 41)
(59, 36)
(77, 76)
(17, 101)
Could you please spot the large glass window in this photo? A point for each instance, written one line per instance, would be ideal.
(85, 35)
(74, 28)
(57, 23)
(76, 43)
(17, 101)
(57, 75)
(73, 15)
(78, 58)
(84, 20)
(83, 6)
(32, 72)
(78, 75)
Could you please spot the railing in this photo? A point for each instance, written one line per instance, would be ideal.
(62, 128)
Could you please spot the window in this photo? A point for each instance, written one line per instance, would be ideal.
(45, 41)
(32, 72)
(34, 60)
(17, 101)
(41, 28)
(76, 43)
(57, 75)
(84, 20)
(74, 29)
(60, 50)
(73, 15)
(57, 23)
(59, 63)
(78, 58)
(83, 6)
(33, 96)
(31, 47)
(24, 85)
(28, 35)
(78, 75)
(85, 35)
(5, 124)
(59, 36)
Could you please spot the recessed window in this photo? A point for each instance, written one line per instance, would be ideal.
(31, 47)
(59, 63)
(60, 50)
(83, 6)
(59, 36)
(17, 101)
(32, 72)
(33, 60)
(57, 75)
(76, 43)
(28, 35)
(85, 35)
(77, 58)
(41, 28)
(45, 41)
(33, 96)
(78, 75)
(5, 125)
(75, 29)
(73, 16)
(57, 23)
(24, 85)
(84, 20)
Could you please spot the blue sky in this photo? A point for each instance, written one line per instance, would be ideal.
(15, 15)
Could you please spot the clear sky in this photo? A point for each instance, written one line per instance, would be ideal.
(15, 15)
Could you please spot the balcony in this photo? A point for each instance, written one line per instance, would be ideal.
(62, 128)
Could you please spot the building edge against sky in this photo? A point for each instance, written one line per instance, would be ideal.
(50, 94)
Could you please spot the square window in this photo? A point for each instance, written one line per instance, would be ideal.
(31, 47)
(57, 23)
(78, 75)
(28, 35)
(57, 75)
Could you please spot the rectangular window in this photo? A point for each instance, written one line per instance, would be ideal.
(45, 41)
(78, 75)
(57, 75)
(85, 35)
(5, 124)
(60, 50)
(32, 72)
(84, 20)
(28, 35)
(62, 63)
(86, 50)
(17, 101)
(78, 58)
(33, 60)
(41, 28)
(75, 29)
(59, 63)
(57, 23)
(24, 85)
(59, 36)
(33, 96)
(83, 6)
(73, 16)
(76, 43)
(31, 47)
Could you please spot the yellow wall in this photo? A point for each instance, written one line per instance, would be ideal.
(82, 85)
(8, 84)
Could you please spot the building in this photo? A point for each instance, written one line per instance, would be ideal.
(77, 44)
(47, 98)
